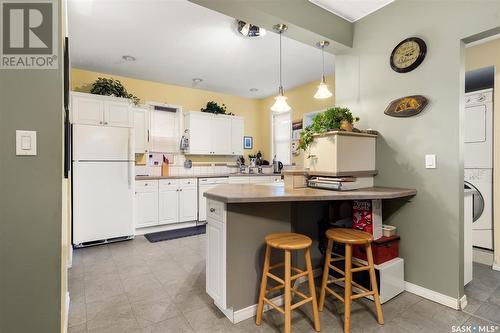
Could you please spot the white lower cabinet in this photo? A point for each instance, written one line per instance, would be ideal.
(146, 204)
(216, 253)
(254, 179)
(165, 201)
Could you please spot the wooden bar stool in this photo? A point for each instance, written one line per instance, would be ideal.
(349, 237)
(287, 242)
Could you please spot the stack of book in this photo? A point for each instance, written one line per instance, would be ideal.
(340, 183)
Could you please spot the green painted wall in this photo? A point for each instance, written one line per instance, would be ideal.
(30, 202)
(431, 224)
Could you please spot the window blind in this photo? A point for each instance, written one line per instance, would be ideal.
(282, 136)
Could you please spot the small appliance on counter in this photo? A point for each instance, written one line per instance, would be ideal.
(277, 165)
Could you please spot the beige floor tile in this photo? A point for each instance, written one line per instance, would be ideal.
(77, 313)
(149, 312)
(111, 315)
(172, 325)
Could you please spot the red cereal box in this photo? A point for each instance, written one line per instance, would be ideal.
(367, 216)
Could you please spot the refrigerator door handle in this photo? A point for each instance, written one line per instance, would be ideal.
(130, 174)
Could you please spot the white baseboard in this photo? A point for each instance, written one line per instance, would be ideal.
(463, 302)
(66, 312)
(158, 228)
(70, 258)
(434, 296)
(495, 267)
(481, 256)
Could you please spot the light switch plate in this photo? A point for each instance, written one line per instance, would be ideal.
(25, 143)
(430, 161)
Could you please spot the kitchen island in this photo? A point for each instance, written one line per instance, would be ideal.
(240, 216)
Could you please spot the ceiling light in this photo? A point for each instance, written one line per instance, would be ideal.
(280, 105)
(249, 30)
(323, 91)
(197, 80)
(128, 58)
(254, 89)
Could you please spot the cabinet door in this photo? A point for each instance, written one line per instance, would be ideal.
(117, 114)
(200, 138)
(146, 207)
(237, 129)
(87, 111)
(168, 201)
(188, 204)
(141, 128)
(215, 266)
(221, 135)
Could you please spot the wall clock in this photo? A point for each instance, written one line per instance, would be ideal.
(408, 55)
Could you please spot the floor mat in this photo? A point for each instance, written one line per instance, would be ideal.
(173, 234)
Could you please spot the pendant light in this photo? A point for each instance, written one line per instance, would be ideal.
(280, 105)
(323, 91)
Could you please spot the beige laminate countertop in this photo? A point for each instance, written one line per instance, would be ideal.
(211, 175)
(244, 193)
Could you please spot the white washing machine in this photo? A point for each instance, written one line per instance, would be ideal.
(481, 182)
(478, 163)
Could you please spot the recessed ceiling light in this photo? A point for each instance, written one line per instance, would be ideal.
(197, 80)
(128, 58)
(254, 89)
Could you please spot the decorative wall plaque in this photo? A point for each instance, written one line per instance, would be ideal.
(406, 106)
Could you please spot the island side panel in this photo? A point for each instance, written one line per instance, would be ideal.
(247, 225)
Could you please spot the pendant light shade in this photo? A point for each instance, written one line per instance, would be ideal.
(280, 104)
(323, 91)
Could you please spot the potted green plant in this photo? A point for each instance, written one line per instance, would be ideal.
(112, 87)
(213, 107)
(333, 119)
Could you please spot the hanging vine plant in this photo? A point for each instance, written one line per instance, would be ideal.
(112, 87)
(333, 119)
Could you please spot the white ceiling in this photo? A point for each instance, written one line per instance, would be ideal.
(351, 10)
(175, 41)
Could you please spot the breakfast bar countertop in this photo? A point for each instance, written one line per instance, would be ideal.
(244, 193)
(209, 175)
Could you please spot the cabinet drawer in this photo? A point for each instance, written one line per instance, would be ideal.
(190, 182)
(215, 210)
(169, 183)
(145, 184)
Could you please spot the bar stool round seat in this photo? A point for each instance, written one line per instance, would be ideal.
(288, 241)
(349, 236)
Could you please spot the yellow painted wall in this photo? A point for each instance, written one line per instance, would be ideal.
(190, 99)
(302, 101)
(484, 55)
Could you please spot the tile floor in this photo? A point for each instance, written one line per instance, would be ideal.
(137, 286)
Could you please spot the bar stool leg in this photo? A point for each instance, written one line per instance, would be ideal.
(288, 293)
(263, 286)
(312, 289)
(326, 271)
(373, 281)
(348, 288)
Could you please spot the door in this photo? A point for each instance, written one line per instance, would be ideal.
(141, 129)
(101, 143)
(188, 204)
(215, 256)
(221, 135)
(237, 129)
(200, 140)
(168, 201)
(146, 207)
(87, 111)
(117, 114)
(102, 201)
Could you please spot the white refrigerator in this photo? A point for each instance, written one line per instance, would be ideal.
(103, 184)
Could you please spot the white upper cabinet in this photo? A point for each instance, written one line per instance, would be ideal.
(199, 132)
(237, 132)
(89, 109)
(221, 135)
(213, 134)
(141, 128)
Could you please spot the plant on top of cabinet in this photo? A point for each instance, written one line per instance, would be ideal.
(213, 107)
(112, 87)
(335, 118)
